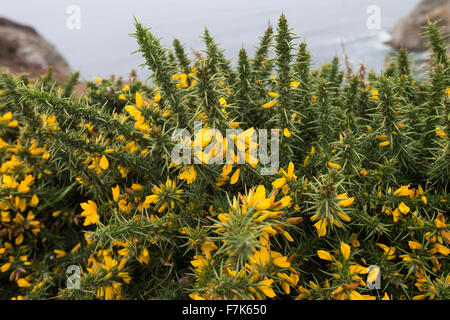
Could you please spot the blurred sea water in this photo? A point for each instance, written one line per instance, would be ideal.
(103, 45)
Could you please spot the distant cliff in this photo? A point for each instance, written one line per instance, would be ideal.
(22, 49)
(406, 32)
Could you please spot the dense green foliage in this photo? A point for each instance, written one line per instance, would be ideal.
(88, 180)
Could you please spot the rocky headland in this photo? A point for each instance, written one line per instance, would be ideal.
(406, 32)
(23, 50)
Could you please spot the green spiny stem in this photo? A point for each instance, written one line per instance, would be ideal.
(156, 60)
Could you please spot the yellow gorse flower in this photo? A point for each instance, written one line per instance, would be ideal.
(345, 250)
(344, 200)
(270, 104)
(288, 176)
(189, 174)
(334, 165)
(89, 212)
(164, 196)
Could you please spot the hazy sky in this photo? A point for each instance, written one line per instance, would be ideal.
(102, 45)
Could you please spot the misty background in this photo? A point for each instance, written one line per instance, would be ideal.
(103, 46)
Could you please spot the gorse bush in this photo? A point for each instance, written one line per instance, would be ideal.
(88, 181)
